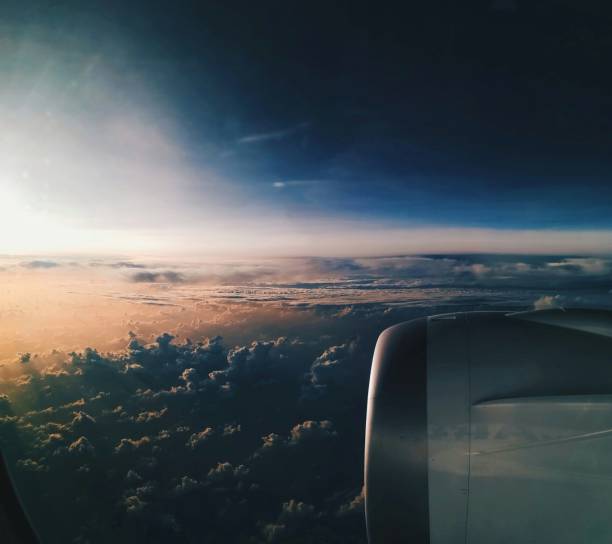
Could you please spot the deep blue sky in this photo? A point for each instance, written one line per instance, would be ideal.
(496, 114)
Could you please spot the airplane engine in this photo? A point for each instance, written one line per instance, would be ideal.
(491, 427)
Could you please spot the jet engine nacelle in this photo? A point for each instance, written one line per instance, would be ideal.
(491, 427)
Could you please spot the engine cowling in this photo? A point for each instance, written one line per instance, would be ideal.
(491, 427)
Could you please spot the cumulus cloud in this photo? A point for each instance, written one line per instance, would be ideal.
(151, 415)
(311, 430)
(293, 518)
(306, 432)
(128, 445)
(328, 367)
(546, 302)
(81, 446)
(82, 422)
(272, 441)
(31, 465)
(133, 477)
(134, 504)
(258, 363)
(201, 446)
(273, 532)
(296, 510)
(225, 471)
(25, 357)
(334, 367)
(354, 506)
(230, 429)
(196, 439)
(185, 485)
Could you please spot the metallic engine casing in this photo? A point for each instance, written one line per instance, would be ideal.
(491, 427)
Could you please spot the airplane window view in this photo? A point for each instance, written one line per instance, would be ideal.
(209, 213)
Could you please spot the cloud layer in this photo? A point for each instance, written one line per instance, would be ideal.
(186, 441)
(231, 405)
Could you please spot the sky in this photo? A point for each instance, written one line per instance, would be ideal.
(237, 128)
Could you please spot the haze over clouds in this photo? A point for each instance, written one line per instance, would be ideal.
(61, 303)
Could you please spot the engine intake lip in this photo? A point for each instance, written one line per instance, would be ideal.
(396, 437)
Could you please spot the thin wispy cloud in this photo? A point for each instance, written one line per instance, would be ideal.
(274, 135)
(294, 183)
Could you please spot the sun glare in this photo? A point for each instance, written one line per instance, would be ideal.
(25, 229)
(20, 227)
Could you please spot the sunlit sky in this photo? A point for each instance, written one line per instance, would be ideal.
(222, 130)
